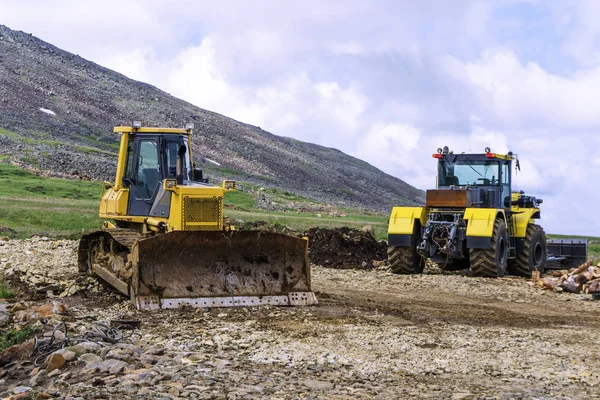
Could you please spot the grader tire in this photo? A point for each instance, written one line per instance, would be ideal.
(491, 263)
(534, 254)
(406, 260)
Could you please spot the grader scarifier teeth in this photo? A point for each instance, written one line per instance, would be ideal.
(220, 269)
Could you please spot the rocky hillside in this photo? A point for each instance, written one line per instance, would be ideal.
(57, 111)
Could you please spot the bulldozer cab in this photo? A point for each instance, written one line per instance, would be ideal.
(486, 176)
(151, 158)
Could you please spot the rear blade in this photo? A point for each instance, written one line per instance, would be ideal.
(566, 253)
(221, 269)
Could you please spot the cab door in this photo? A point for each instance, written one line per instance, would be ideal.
(144, 174)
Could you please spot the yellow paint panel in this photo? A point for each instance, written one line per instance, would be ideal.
(114, 203)
(129, 129)
(402, 219)
(481, 221)
(521, 218)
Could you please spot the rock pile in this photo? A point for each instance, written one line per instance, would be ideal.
(583, 279)
(40, 267)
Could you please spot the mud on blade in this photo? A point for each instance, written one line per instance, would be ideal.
(221, 269)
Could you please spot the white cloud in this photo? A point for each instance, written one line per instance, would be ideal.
(195, 76)
(524, 93)
(137, 64)
(351, 48)
(388, 81)
(390, 144)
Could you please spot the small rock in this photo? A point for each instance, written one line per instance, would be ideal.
(54, 373)
(90, 358)
(21, 389)
(461, 396)
(196, 388)
(54, 361)
(17, 307)
(68, 355)
(38, 378)
(317, 385)
(86, 347)
(113, 366)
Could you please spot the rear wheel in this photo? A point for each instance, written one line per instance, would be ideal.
(534, 253)
(406, 260)
(491, 262)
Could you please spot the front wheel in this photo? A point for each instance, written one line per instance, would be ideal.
(534, 254)
(492, 262)
(406, 260)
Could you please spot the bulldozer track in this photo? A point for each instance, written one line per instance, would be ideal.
(123, 237)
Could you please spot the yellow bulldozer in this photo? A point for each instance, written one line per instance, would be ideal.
(164, 243)
(472, 220)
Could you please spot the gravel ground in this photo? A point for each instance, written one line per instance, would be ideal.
(373, 335)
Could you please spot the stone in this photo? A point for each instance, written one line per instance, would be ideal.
(112, 366)
(461, 395)
(21, 389)
(54, 373)
(5, 318)
(118, 355)
(317, 385)
(196, 388)
(38, 378)
(143, 375)
(68, 355)
(90, 358)
(54, 361)
(86, 347)
(17, 307)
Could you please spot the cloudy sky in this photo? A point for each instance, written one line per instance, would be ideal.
(386, 81)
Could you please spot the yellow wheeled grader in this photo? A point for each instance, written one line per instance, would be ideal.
(167, 245)
(472, 220)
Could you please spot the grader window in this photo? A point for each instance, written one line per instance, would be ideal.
(468, 173)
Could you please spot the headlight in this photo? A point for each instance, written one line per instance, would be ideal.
(136, 124)
(228, 185)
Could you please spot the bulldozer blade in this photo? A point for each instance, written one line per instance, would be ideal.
(566, 253)
(221, 269)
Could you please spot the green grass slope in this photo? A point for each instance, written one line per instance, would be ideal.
(61, 208)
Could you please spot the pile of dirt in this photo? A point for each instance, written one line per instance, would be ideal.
(345, 248)
(265, 226)
(342, 248)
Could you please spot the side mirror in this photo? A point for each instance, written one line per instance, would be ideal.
(198, 176)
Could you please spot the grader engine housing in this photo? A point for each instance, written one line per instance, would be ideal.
(473, 219)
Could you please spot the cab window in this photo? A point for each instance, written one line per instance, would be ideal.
(148, 169)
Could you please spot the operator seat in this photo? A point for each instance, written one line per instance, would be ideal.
(452, 180)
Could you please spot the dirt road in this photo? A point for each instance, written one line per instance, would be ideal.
(373, 335)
